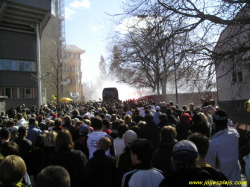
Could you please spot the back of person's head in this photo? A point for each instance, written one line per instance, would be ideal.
(142, 148)
(22, 131)
(4, 133)
(53, 176)
(75, 112)
(12, 170)
(9, 148)
(220, 119)
(113, 118)
(104, 143)
(39, 141)
(97, 123)
(148, 118)
(127, 119)
(32, 121)
(106, 123)
(10, 123)
(201, 142)
(163, 117)
(50, 138)
(185, 155)
(136, 129)
(58, 122)
(87, 122)
(64, 140)
(122, 129)
(67, 119)
(19, 116)
(117, 123)
(168, 134)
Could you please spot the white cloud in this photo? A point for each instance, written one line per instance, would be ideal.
(93, 28)
(80, 4)
(68, 13)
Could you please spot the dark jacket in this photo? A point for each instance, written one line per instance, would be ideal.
(200, 128)
(181, 177)
(39, 159)
(137, 119)
(101, 170)
(162, 157)
(150, 132)
(165, 123)
(81, 145)
(183, 131)
(74, 161)
(25, 146)
(70, 127)
(123, 164)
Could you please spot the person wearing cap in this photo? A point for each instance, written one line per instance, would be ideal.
(183, 127)
(123, 161)
(81, 143)
(223, 149)
(100, 168)
(185, 166)
(202, 144)
(142, 173)
(156, 115)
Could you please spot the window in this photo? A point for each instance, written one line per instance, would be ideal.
(32, 66)
(1, 64)
(14, 93)
(1, 91)
(21, 65)
(7, 65)
(14, 65)
(77, 55)
(8, 92)
(28, 93)
(22, 94)
(72, 56)
(240, 105)
(237, 77)
(34, 93)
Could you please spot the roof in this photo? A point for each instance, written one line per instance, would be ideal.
(74, 49)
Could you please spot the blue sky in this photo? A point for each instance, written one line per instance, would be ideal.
(85, 27)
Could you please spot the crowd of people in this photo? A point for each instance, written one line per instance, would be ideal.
(118, 143)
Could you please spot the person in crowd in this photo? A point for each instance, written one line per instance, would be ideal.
(12, 171)
(80, 144)
(4, 135)
(183, 127)
(25, 145)
(119, 144)
(21, 121)
(58, 125)
(68, 125)
(101, 168)
(142, 174)
(151, 110)
(93, 138)
(53, 176)
(164, 121)
(223, 149)
(136, 117)
(162, 156)
(14, 133)
(156, 115)
(185, 166)
(123, 161)
(76, 114)
(115, 125)
(74, 161)
(191, 108)
(150, 132)
(170, 117)
(106, 126)
(33, 129)
(11, 148)
(128, 121)
(202, 144)
(200, 124)
(163, 107)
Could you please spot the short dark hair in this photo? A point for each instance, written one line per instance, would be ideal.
(9, 148)
(122, 129)
(53, 176)
(117, 123)
(163, 117)
(168, 134)
(201, 142)
(97, 123)
(58, 122)
(149, 118)
(32, 121)
(142, 148)
(106, 122)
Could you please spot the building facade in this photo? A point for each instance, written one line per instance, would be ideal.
(73, 85)
(233, 68)
(21, 25)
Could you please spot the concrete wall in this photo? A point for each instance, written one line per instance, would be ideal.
(43, 4)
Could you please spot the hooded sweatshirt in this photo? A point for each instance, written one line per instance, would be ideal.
(93, 138)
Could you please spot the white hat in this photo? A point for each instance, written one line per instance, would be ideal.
(130, 136)
(14, 129)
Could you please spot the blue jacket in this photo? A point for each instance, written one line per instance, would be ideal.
(33, 133)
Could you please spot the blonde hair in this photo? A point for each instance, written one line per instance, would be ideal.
(104, 143)
(127, 119)
(50, 138)
(203, 119)
(12, 170)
